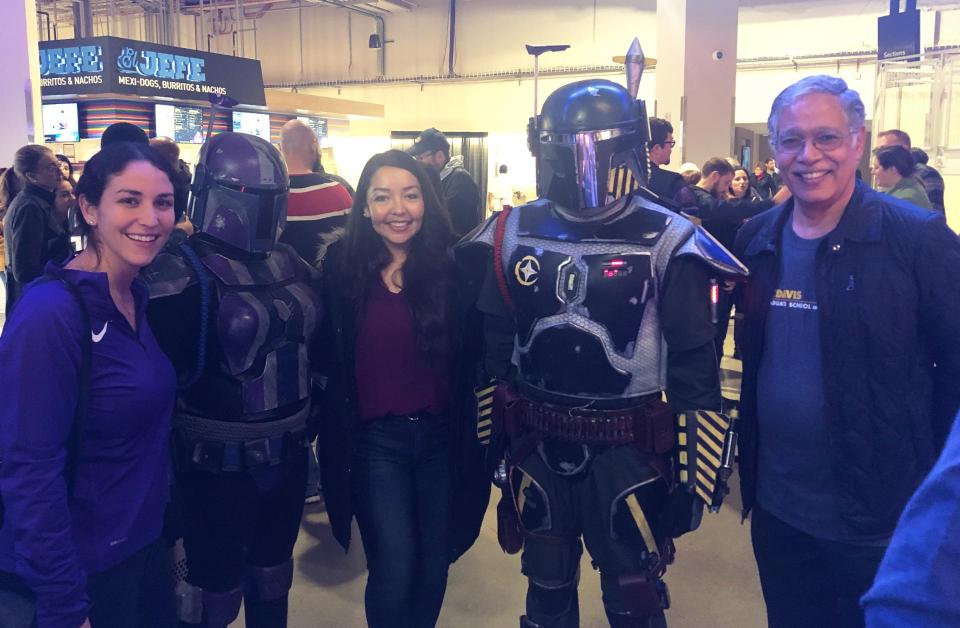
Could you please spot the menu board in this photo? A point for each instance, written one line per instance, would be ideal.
(252, 123)
(183, 125)
(319, 125)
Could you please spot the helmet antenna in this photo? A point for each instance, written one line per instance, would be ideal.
(633, 62)
(218, 101)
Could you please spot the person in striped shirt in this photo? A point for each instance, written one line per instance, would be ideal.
(319, 202)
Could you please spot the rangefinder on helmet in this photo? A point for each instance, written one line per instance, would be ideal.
(240, 192)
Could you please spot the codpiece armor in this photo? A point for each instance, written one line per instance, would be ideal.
(237, 313)
(596, 300)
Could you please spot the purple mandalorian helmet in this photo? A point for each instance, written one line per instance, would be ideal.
(240, 192)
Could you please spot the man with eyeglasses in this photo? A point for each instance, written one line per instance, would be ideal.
(664, 183)
(851, 357)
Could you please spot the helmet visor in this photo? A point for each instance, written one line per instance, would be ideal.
(590, 169)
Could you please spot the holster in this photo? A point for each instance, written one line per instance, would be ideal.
(509, 532)
(506, 409)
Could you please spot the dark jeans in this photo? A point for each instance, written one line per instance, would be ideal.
(724, 307)
(808, 581)
(401, 491)
(137, 593)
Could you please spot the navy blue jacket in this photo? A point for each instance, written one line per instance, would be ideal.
(50, 539)
(888, 287)
(919, 577)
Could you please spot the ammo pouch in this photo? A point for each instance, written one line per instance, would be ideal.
(225, 446)
(649, 426)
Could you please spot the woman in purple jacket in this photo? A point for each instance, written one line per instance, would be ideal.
(87, 552)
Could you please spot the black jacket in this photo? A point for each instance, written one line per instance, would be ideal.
(340, 421)
(723, 218)
(33, 237)
(665, 183)
(888, 296)
(463, 201)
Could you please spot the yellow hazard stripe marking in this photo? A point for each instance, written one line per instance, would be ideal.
(712, 429)
(707, 441)
(705, 468)
(720, 420)
(484, 392)
(682, 438)
(485, 412)
(486, 401)
(641, 520)
(708, 455)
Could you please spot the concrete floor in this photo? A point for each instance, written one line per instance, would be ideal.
(713, 583)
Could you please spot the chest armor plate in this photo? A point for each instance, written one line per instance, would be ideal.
(263, 315)
(586, 302)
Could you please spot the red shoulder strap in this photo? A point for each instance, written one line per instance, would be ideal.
(498, 256)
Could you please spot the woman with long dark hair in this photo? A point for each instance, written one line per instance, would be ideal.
(387, 437)
(32, 234)
(85, 418)
(66, 169)
(741, 188)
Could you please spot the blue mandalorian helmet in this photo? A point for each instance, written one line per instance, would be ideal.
(590, 145)
(239, 192)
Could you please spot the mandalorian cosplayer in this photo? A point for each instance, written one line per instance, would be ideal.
(596, 300)
(236, 313)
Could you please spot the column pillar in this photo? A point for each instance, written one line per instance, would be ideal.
(696, 76)
(20, 97)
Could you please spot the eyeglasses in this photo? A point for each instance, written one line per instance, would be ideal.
(824, 141)
(670, 143)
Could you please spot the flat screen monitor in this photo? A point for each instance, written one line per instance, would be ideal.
(60, 122)
(319, 125)
(183, 125)
(252, 123)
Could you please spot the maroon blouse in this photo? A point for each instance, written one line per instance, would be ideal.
(392, 376)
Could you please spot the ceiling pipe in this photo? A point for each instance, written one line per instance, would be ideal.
(453, 36)
(755, 63)
(381, 31)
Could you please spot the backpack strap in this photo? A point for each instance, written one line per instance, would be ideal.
(203, 281)
(498, 235)
(83, 397)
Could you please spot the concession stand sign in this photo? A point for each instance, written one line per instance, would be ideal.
(111, 65)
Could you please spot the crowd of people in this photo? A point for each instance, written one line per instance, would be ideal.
(267, 331)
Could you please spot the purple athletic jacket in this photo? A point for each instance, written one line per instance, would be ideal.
(122, 476)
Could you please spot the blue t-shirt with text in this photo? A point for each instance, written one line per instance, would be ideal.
(794, 481)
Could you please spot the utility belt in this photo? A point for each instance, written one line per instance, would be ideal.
(649, 426)
(225, 446)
